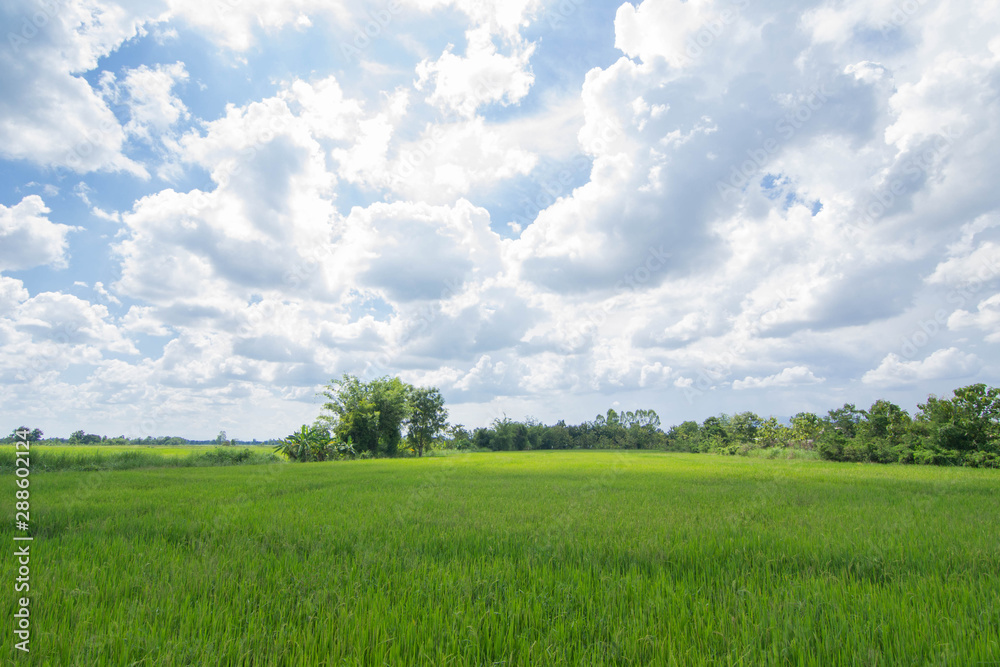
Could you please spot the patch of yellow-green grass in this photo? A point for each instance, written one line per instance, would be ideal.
(164, 450)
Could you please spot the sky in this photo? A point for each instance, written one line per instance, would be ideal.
(211, 209)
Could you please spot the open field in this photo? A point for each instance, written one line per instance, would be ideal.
(164, 450)
(515, 559)
(89, 458)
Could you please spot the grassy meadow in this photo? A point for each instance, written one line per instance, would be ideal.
(531, 558)
(125, 457)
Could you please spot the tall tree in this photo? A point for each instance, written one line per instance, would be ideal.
(369, 414)
(428, 417)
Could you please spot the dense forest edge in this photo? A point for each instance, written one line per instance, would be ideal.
(387, 417)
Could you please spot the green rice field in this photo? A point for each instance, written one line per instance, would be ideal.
(121, 457)
(529, 558)
(163, 450)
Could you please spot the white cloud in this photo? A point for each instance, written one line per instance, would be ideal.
(986, 318)
(451, 160)
(235, 25)
(667, 28)
(416, 251)
(64, 318)
(462, 84)
(789, 377)
(944, 364)
(50, 115)
(152, 104)
(980, 265)
(505, 17)
(28, 238)
(12, 293)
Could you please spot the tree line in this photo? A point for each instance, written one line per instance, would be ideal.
(387, 417)
(961, 430)
(81, 437)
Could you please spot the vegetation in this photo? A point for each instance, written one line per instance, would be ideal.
(368, 419)
(553, 558)
(82, 439)
(314, 444)
(387, 417)
(961, 430)
(48, 458)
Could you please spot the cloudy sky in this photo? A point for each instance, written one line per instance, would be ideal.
(548, 208)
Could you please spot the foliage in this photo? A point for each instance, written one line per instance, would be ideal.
(46, 458)
(33, 435)
(427, 417)
(313, 443)
(368, 414)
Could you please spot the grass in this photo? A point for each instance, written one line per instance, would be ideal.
(536, 558)
(111, 457)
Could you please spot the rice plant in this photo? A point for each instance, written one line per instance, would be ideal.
(528, 558)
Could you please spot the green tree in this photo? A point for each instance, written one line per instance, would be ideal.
(879, 434)
(745, 427)
(33, 435)
(427, 417)
(806, 427)
(81, 438)
(369, 414)
(773, 433)
(642, 429)
(714, 434)
(839, 428)
(683, 437)
(964, 429)
(461, 438)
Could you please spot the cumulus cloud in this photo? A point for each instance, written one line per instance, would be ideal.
(678, 24)
(462, 84)
(980, 265)
(505, 17)
(51, 115)
(945, 364)
(986, 318)
(236, 25)
(450, 160)
(28, 238)
(789, 377)
(148, 92)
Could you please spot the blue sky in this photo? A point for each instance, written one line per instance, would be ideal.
(210, 209)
